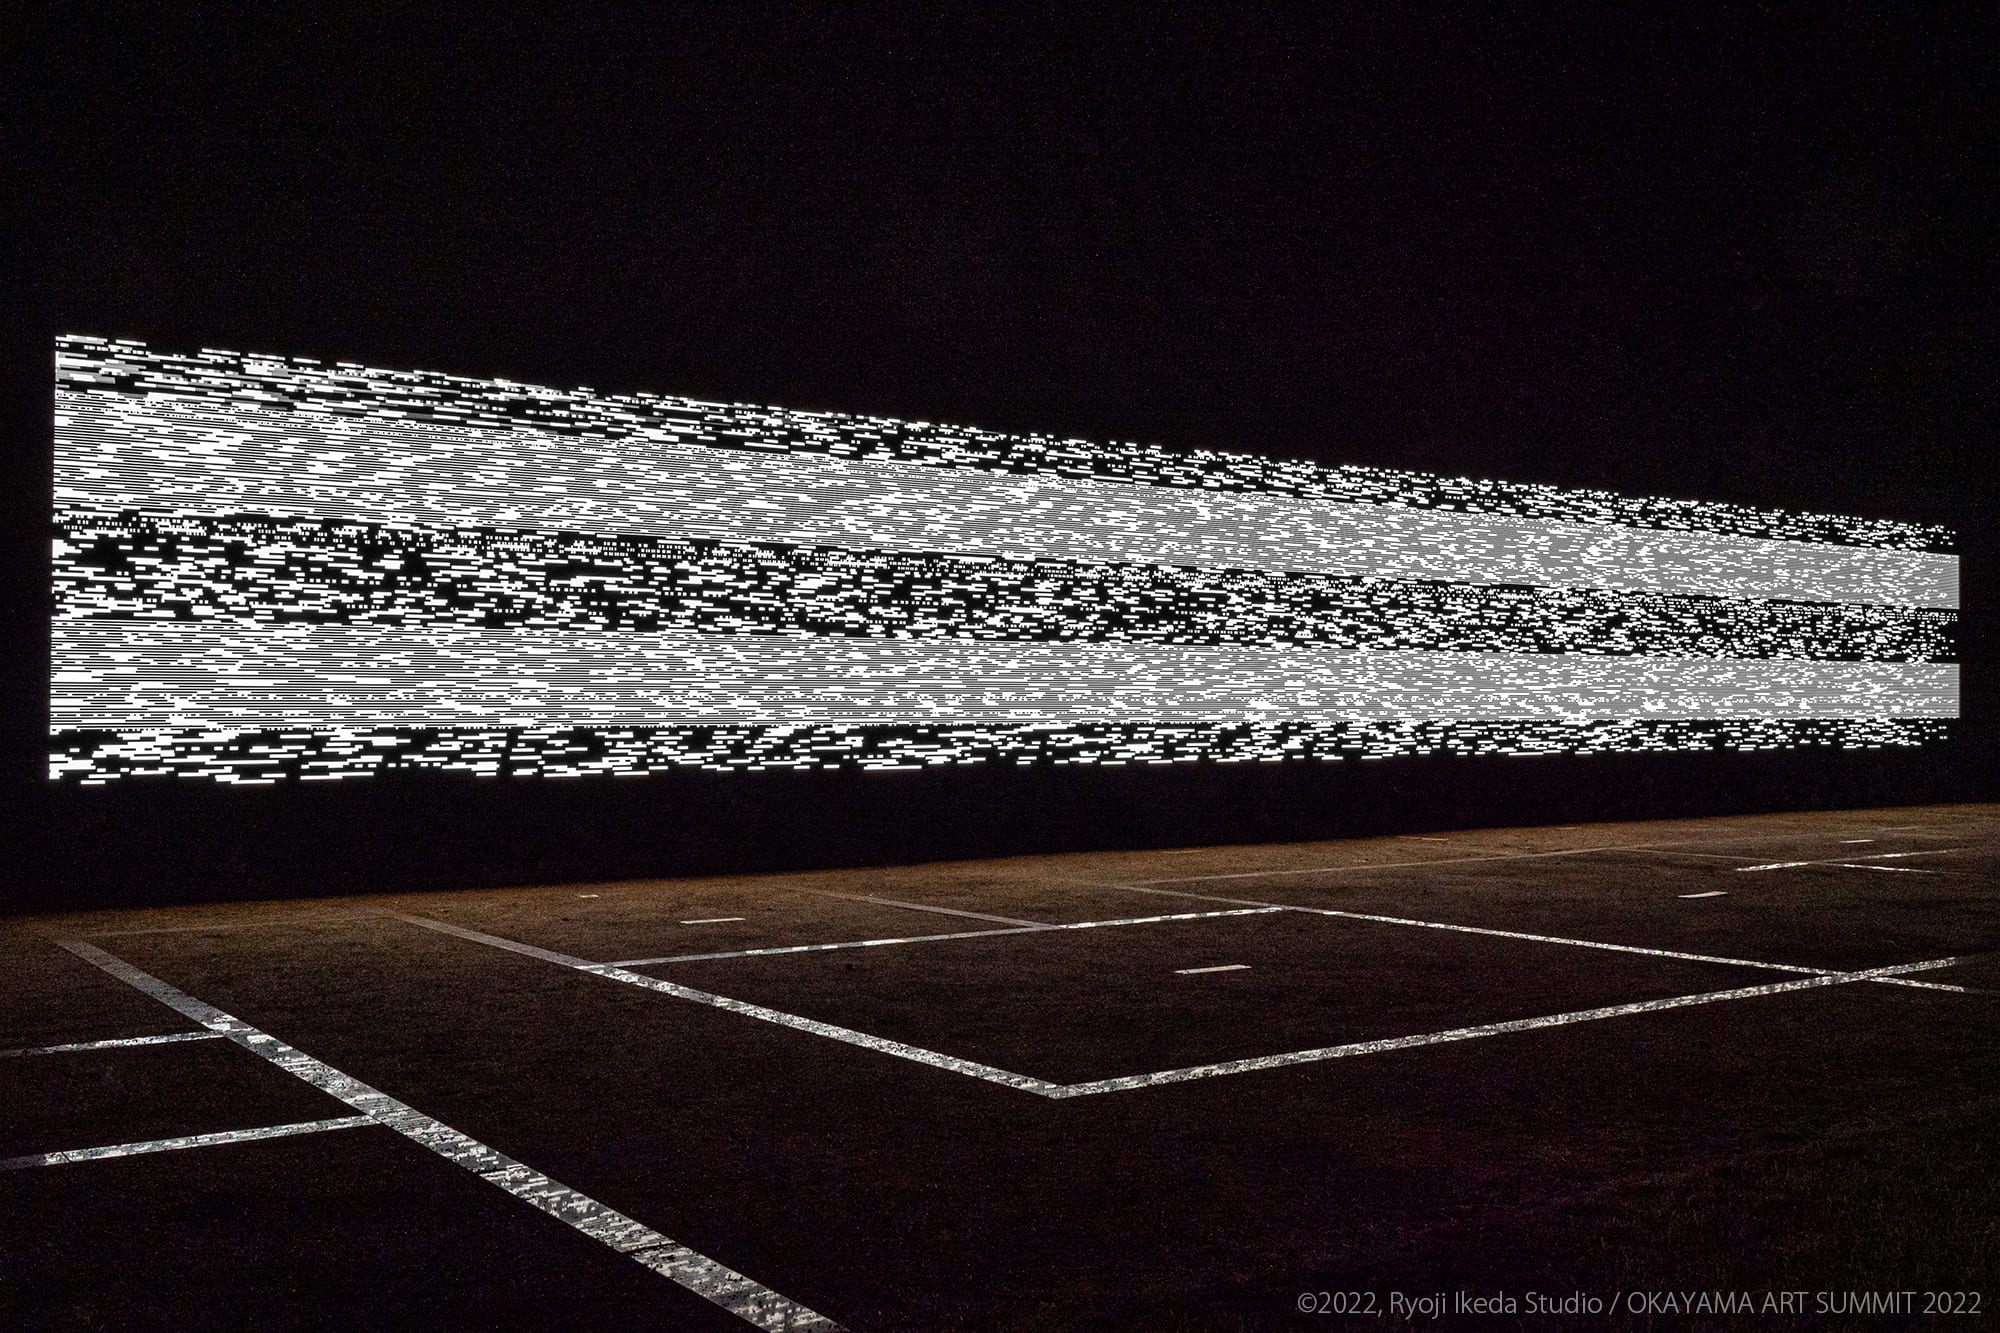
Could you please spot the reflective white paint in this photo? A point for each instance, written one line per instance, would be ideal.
(69, 1155)
(113, 1043)
(747, 1299)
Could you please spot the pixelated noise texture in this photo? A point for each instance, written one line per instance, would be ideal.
(271, 568)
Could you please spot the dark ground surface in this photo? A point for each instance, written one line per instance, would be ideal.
(1836, 1139)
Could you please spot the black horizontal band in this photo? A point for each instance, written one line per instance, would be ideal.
(274, 755)
(160, 565)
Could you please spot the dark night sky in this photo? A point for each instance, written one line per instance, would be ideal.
(1742, 256)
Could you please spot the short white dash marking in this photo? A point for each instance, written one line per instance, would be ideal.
(1712, 893)
(186, 1141)
(1196, 971)
(1907, 870)
(590, 895)
(711, 920)
(1857, 840)
(748, 1300)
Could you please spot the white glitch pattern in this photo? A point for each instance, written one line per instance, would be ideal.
(270, 570)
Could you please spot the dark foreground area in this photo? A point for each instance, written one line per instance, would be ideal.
(1613, 1075)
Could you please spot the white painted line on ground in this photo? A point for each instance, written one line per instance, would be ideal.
(926, 939)
(1511, 856)
(1394, 865)
(1850, 840)
(1907, 870)
(748, 1300)
(1150, 920)
(312, 919)
(1878, 856)
(925, 907)
(69, 1155)
(712, 920)
(1521, 935)
(611, 971)
(820, 948)
(1061, 1090)
(590, 895)
(113, 1043)
(1482, 1030)
(1712, 893)
(1675, 954)
(1197, 971)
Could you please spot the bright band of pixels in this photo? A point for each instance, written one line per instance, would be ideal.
(272, 568)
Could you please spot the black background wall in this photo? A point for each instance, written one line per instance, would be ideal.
(164, 841)
(1738, 259)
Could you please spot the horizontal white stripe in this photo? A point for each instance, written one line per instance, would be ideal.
(927, 907)
(113, 1043)
(1256, 1063)
(69, 1155)
(124, 450)
(1651, 848)
(1848, 860)
(120, 674)
(1501, 934)
(775, 950)
(86, 363)
(748, 1300)
(928, 939)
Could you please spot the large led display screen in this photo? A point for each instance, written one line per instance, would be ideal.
(271, 568)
